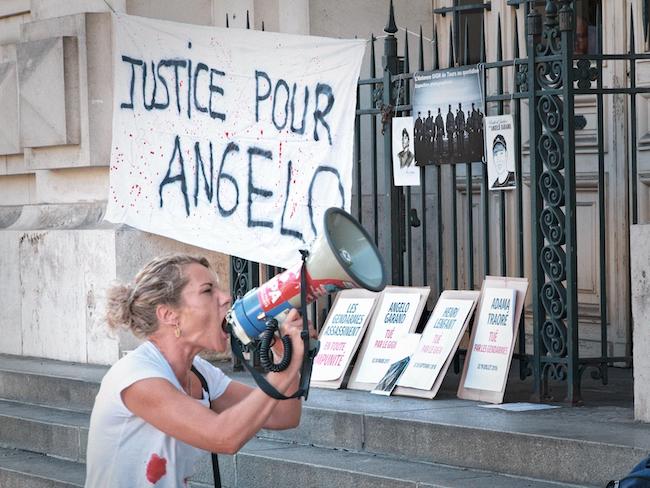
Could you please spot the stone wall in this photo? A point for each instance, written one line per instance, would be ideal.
(640, 283)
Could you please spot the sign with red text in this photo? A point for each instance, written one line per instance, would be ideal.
(340, 336)
(397, 314)
(444, 327)
(228, 139)
(491, 348)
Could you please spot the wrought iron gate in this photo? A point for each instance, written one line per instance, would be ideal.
(408, 224)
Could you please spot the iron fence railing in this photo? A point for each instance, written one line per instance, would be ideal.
(416, 228)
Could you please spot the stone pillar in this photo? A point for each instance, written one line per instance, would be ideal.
(640, 271)
(57, 255)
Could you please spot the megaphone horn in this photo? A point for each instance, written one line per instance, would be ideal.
(344, 256)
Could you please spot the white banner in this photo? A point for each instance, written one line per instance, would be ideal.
(232, 140)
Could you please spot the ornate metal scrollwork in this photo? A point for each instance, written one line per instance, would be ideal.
(554, 337)
(555, 371)
(553, 297)
(550, 77)
(521, 78)
(552, 224)
(551, 184)
(550, 150)
(241, 282)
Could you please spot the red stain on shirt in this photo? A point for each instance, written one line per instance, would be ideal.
(156, 468)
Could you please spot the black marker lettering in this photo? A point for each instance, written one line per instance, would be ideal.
(164, 84)
(280, 83)
(208, 182)
(253, 190)
(179, 177)
(258, 98)
(326, 90)
(283, 230)
(215, 88)
(222, 211)
(134, 63)
(293, 111)
(319, 170)
(151, 105)
(199, 67)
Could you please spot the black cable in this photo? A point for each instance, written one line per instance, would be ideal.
(267, 338)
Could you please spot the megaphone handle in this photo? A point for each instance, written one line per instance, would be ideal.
(309, 354)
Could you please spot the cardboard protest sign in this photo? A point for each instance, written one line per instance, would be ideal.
(500, 152)
(232, 140)
(489, 354)
(440, 339)
(341, 335)
(396, 314)
(401, 358)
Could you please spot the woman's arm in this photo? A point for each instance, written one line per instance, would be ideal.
(286, 414)
(160, 404)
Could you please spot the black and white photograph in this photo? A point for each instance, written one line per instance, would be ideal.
(387, 384)
(447, 108)
(405, 172)
(500, 153)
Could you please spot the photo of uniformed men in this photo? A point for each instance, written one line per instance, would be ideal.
(448, 126)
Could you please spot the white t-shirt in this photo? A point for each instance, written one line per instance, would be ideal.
(124, 450)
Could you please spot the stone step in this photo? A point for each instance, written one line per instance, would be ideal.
(567, 444)
(21, 469)
(263, 463)
(570, 445)
(52, 431)
(57, 384)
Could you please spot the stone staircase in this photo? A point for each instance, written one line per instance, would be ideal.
(346, 439)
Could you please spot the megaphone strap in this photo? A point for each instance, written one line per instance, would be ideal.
(261, 381)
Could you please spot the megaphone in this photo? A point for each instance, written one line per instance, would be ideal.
(344, 256)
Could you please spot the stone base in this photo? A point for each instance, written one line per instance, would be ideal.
(640, 270)
(55, 267)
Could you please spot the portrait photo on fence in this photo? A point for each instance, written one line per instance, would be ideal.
(405, 172)
(499, 152)
(448, 112)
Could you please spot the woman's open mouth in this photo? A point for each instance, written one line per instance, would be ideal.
(224, 326)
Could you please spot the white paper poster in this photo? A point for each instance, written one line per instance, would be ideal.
(339, 336)
(229, 139)
(392, 321)
(438, 339)
(405, 172)
(500, 152)
(492, 347)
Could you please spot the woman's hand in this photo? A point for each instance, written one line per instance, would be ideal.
(292, 327)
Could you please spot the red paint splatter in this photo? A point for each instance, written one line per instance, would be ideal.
(156, 468)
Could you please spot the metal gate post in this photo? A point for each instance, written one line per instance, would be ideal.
(555, 299)
(393, 226)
